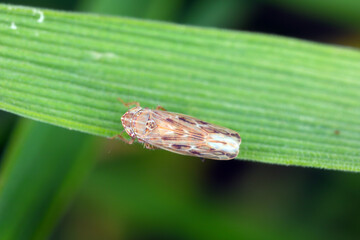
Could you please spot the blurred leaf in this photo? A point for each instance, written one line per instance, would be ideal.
(6, 122)
(63, 4)
(151, 9)
(293, 102)
(117, 192)
(163, 9)
(216, 13)
(44, 165)
(345, 12)
(134, 8)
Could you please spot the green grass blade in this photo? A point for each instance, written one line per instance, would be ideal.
(38, 179)
(293, 102)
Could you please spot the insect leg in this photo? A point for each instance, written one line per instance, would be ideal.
(160, 108)
(128, 104)
(149, 146)
(131, 141)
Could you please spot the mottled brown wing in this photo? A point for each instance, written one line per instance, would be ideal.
(185, 135)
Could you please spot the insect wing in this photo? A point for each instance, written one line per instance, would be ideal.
(186, 135)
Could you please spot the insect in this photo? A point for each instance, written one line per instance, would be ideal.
(179, 133)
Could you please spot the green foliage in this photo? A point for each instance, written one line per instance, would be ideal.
(134, 193)
(293, 102)
(44, 167)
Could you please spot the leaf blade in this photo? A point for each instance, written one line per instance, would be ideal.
(287, 98)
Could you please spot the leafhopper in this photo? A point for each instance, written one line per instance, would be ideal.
(179, 133)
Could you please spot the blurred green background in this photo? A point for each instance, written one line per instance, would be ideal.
(84, 187)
